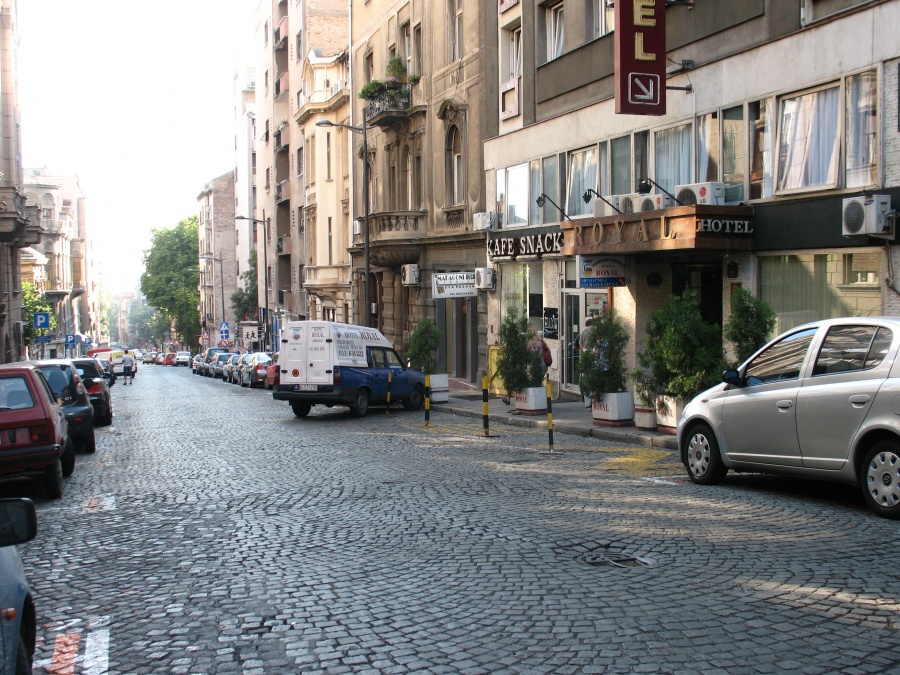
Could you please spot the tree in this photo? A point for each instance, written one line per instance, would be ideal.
(244, 300)
(140, 318)
(168, 281)
(112, 320)
(33, 301)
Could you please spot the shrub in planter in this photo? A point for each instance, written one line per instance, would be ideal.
(602, 367)
(518, 366)
(423, 346)
(396, 69)
(751, 323)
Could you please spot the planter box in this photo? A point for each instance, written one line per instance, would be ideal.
(532, 401)
(645, 418)
(440, 388)
(668, 412)
(614, 410)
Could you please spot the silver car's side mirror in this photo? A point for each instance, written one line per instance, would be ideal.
(732, 376)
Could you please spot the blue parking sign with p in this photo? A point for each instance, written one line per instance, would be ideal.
(70, 338)
(42, 319)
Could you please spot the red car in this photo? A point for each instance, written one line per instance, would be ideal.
(33, 427)
(169, 359)
(273, 374)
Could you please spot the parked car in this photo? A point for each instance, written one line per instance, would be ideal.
(818, 401)
(95, 381)
(195, 363)
(107, 369)
(34, 428)
(160, 358)
(149, 357)
(228, 366)
(217, 364)
(169, 359)
(273, 375)
(208, 354)
(253, 372)
(182, 358)
(236, 368)
(18, 524)
(67, 386)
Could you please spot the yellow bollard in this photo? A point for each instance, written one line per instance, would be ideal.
(484, 403)
(387, 412)
(427, 399)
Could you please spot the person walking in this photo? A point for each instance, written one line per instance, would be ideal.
(127, 366)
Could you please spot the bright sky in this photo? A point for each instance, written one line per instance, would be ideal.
(137, 98)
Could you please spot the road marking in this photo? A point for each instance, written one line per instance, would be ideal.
(65, 649)
(96, 652)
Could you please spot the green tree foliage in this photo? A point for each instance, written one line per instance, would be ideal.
(245, 301)
(751, 323)
(423, 346)
(168, 282)
(140, 318)
(518, 366)
(160, 325)
(33, 301)
(682, 353)
(602, 362)
(112, 320)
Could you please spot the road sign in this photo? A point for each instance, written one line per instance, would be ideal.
(70, 338)
(205, 335)
(223, 330)
(640, 52)
(42, 338)
(251, 334)
(42, 319)
(87, 341)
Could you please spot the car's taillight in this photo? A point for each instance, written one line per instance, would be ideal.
(95, 389)
(40, 434)
(337, 377)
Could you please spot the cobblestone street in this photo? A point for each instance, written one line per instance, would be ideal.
(213, 532)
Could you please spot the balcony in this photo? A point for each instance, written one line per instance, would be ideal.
(393, 225)
(283, 245)
(282, 84)
(282, 191)
(388, 106)
(282, 137)
(279, 40)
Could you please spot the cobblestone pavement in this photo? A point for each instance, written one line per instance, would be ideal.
(212, 532)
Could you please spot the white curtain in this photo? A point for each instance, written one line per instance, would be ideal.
(582, 175)
(808, 149)
(555, 32)
(861, 131)
(707, 148)
(673, 156)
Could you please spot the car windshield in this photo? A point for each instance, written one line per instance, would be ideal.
(14, 394)
(58, 377)
(87, 370)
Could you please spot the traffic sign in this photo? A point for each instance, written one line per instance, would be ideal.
(87, 341)
(42, 338)
(223, 330)
(42, 319)
(250, 334)
(70, 338)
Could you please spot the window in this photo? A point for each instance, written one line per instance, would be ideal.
(330, 243)
(761, 138)
(861, 129)
(848, 348)
(456, 30)
(808, 144)
(781, 361)
(299, 45)
(406, 46)
(369, 66)
(672, 156)
(555, 31)
(581, 175)
(629, 162)
(300, 163)
(311, 153)
(604, 17)
(407, 199)
(417, 50)
(522, 287)
(734, 153)
(516, 203)
(327, 155)
(534, 173)
(550, 187)
(513, 53)
(455, 166)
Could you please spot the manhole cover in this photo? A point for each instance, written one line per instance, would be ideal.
(612, 560)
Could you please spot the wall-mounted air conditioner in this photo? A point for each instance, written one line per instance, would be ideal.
(357, 226)
(652, 202)
(867, 216)
(630, 203)
(603, 210)
(484, 278)
(484, 221)
(409, 275)
(712, 194)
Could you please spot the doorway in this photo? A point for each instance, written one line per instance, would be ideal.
(579, 305)
(706, 279)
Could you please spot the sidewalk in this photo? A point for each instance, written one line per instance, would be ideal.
(569, 417)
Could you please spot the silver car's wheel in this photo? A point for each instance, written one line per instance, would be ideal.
(881, 478)
(700, 453)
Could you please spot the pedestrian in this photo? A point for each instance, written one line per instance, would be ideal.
(127, 365)
(537, 344)
(582, 343)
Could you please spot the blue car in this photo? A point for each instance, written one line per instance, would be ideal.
(18, 627)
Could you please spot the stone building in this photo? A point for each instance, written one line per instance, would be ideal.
(217, 263)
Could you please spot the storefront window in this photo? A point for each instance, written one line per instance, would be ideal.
(802, 288)
(522, 286)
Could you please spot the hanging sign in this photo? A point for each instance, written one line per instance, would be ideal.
(601, 271)
(454, 285)
(640, 47)
(551, 323)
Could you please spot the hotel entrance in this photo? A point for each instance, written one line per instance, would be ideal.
(579, 305)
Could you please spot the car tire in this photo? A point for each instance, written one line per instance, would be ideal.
(301, 409)
(23, 659)
(361, 405)
(416, 399)
(89, 444)
(242, 381)
(880, 478)
(68, 458)
(266, 385)
(702, 458)
(53, 480)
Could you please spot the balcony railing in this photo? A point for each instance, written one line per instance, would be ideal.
(394, 225)
(282, 84)
(456, 217)
(388, 104)
(282, 138)
(283, 245)
(281, 32)
(282, 191)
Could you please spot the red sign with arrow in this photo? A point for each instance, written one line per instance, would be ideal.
(640, 41)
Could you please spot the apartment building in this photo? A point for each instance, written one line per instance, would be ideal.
(770, 161)
(244, 169)
(19, 223)
(217, 262)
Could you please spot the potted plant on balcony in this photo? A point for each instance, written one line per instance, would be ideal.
(682, 355)
(414, 79)
(424, 343)
(602, 366)
(519, 366)
(395, 71)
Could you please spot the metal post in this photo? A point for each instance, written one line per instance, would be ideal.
(368, 298)
(266, 276)
(484, 403)
(222, 288)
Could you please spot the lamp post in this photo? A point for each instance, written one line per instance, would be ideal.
(264, 221)
(361, 130)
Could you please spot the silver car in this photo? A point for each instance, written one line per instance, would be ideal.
(820, 401)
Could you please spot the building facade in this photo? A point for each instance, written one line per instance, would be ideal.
(217, 263)
(746, 180)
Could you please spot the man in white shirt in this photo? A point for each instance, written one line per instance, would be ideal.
(127, 366)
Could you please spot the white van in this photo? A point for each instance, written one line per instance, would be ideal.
(329, 363)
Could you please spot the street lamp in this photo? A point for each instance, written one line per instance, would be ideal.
(264, 221)
(361, 130)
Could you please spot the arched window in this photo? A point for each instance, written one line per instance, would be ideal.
(455, 178)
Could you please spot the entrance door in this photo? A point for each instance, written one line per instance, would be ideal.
(707, 281)
(579, 305)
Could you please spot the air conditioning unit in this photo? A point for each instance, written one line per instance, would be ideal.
(630, 203)
(603, 210)
(700, 193)
(409, 275)
(484, 221)
(867, 216)
(655, 202)
(357, 226)
(484, 278)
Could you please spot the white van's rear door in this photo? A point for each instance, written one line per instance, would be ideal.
(319, 346)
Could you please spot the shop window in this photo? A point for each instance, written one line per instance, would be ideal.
(673, 156)
(581, 175)
(522, 287)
